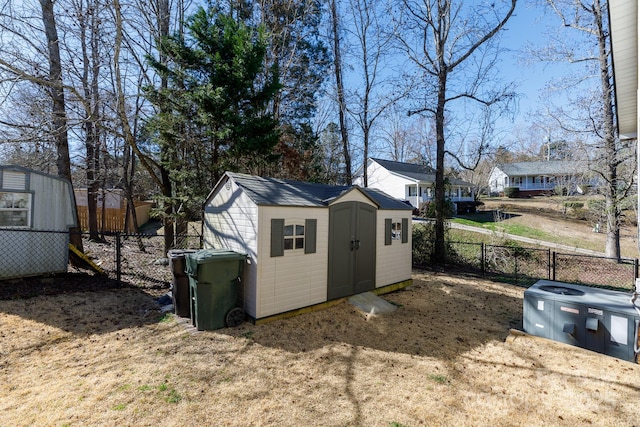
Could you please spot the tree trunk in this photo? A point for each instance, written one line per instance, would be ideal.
(342, 103)
(158, 173)
(59, 107)
(439, 248)
(612, 245)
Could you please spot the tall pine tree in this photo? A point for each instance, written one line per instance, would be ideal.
(213, 115)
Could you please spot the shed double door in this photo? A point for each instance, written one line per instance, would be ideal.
(352, 249)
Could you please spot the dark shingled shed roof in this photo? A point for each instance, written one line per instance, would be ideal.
(280, 192)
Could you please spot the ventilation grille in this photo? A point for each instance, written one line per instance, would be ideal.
(14, 180)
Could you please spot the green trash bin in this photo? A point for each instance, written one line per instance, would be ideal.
(214, 276)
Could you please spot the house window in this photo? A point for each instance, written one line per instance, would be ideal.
(15, 209)
(516, 180)
(411, 191)
(293, 237)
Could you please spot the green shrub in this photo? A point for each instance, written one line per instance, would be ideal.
(574, 205)
(428, 209)
(512, 192)
(560, 190)
(423, 239)
(423, 236)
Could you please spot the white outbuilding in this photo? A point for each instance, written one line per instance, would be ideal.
(36, 212)
(308, 243)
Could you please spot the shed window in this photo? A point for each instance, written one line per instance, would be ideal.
(396, 230)
(293, 237)
(15, 209)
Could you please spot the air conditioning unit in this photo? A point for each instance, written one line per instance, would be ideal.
(600, 320)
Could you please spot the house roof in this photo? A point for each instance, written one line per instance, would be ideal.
(415, 172)
(551, 167)
(280, 192)
(623, 16)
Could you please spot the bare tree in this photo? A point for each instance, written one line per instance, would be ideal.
(407, 140)
(341, 97)
(593, 117)
(453, 46)
(373, 90)
(58, 104)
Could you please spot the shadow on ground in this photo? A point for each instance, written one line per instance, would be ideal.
(486, 217)
(439, 316)
(79, 304)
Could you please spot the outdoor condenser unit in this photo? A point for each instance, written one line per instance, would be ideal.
(596, 319)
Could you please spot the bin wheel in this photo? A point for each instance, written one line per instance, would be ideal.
(235, 317)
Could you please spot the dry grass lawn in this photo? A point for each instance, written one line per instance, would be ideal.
(108, 357)
(545, 214)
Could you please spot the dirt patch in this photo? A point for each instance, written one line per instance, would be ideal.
(108, 357)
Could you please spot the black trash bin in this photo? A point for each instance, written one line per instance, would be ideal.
(214, 277)
(180, 282)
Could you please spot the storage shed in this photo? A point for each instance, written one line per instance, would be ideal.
(36, 212)
(307, 243)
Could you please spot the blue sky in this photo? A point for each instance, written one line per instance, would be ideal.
(530, 26)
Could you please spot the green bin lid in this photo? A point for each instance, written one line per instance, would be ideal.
(212, 255)
(205, 256)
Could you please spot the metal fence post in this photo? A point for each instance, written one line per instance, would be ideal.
(635, 270)
(554, 266)
(118, 257)
(515, 267)
(548, 264)
(482, 258)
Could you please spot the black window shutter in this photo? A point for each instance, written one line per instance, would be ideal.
(310, 226)
(277, 237)
(387, 231)
(405, 230)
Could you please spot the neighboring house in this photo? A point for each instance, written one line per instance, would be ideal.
(414, 183)
(36, 212)
(112, 210)
(307, 243)
(536, 178)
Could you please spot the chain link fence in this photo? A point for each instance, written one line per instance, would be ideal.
(526, 265)
(135, 259)
(140, 260)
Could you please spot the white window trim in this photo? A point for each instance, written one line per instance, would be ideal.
(27, 209)
(294, 237)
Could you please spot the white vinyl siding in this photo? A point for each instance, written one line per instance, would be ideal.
(394, 185)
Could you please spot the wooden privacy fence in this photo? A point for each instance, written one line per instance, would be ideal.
(113, 219)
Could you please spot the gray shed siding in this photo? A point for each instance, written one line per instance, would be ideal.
(42, 246)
